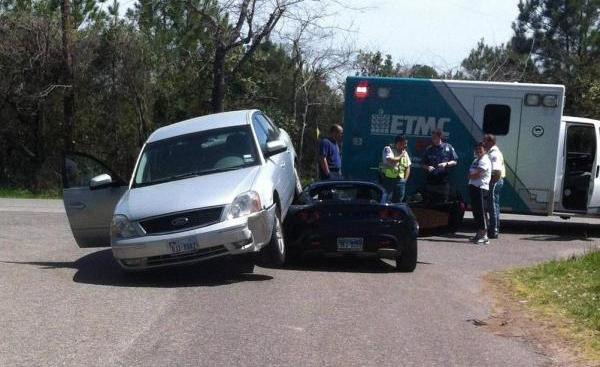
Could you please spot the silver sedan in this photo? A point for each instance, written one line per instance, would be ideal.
(211, 186)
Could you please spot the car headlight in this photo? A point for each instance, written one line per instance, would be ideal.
(243, 205)
(121, 227)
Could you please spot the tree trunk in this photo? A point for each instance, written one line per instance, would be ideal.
(218, 90)
(69, 95)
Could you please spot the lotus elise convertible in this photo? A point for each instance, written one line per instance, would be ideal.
(351, 218)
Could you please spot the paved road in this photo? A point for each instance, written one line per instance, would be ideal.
(61, 305)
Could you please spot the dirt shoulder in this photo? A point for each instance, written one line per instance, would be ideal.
(513, 318)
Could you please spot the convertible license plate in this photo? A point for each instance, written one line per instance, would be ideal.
(183, 245)
(350, 243)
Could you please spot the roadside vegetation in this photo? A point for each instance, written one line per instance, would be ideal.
(565, 293)
(90, 76)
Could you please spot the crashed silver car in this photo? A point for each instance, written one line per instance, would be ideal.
(217, 185)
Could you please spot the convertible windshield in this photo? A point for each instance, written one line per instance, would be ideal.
(202, 153)
(345, 192)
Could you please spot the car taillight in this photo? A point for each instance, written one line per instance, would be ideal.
(362, 90)
(386, 214)
(309, 216)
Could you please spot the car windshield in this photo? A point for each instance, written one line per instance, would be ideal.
(345, 192)
(190, 155)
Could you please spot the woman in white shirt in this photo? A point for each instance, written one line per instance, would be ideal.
(480, 174)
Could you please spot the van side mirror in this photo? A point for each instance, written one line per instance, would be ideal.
(275, 147)
(101, 181)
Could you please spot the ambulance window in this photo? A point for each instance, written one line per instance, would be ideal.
(496, 119)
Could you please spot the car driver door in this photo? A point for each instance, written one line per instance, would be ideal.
(90, 193)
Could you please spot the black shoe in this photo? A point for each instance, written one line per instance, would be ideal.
(492, 236)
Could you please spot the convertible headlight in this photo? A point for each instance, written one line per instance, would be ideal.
(243, 205)
(121, 227)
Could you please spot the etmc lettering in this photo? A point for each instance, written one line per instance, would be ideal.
(417, 126)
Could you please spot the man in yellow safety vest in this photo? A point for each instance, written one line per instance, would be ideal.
(395, 169)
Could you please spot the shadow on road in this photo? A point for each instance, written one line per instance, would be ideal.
(345, 264)
(100, 268)
(560, 231)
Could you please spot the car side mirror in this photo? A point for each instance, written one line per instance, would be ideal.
(101, 181)
(275, 147)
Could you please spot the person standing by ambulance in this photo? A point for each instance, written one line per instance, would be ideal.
(480, 173)
(437, 160)
(496, 184)
(329, 159)
(395, 169)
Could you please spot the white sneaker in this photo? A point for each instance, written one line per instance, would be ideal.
(483, 241)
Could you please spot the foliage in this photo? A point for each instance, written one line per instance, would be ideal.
(133, 74)
(565, 289)
(495, 63)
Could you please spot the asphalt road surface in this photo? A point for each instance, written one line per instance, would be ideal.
(64, 306)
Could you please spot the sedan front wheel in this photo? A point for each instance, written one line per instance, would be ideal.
(273, 254)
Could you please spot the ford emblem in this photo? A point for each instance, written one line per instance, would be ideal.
(178, 222)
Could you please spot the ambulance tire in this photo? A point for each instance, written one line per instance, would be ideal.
(455, 218)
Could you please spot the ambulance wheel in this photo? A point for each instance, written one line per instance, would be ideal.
(455, 218)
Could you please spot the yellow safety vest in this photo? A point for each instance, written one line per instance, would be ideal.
(398, 170)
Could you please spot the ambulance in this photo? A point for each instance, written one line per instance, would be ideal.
(552, 161)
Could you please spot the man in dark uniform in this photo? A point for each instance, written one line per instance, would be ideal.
(329, 159)
(437, 161)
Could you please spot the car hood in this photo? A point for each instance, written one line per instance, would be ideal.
(187, 194)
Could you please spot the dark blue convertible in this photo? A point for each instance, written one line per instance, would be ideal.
(350, 218)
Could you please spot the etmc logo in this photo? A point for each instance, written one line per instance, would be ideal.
(414, 126)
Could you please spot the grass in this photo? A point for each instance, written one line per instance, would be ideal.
(566, 293)
(26, 194)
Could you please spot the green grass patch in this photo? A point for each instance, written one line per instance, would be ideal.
(26, 194)
(567, 293)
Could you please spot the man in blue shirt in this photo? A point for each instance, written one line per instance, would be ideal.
(329, 159)
(437, 161)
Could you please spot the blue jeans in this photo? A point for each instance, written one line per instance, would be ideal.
(493, 207)
(396, 189)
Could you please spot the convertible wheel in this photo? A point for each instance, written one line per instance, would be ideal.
(273, 254)
(407, 261)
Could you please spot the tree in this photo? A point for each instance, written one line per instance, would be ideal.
(237, 40)
(375, 64)
(562, 38)
(495, 63)
(69, 94)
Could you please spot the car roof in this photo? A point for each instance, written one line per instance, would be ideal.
(579, 119)
(203, 123)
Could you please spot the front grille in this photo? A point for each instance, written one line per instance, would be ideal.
(181, 221)
(187, 256)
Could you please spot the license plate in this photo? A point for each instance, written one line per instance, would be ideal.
(183, 245)
(350, 243)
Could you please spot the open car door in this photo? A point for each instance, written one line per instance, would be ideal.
(90, 193)
(594, 192)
